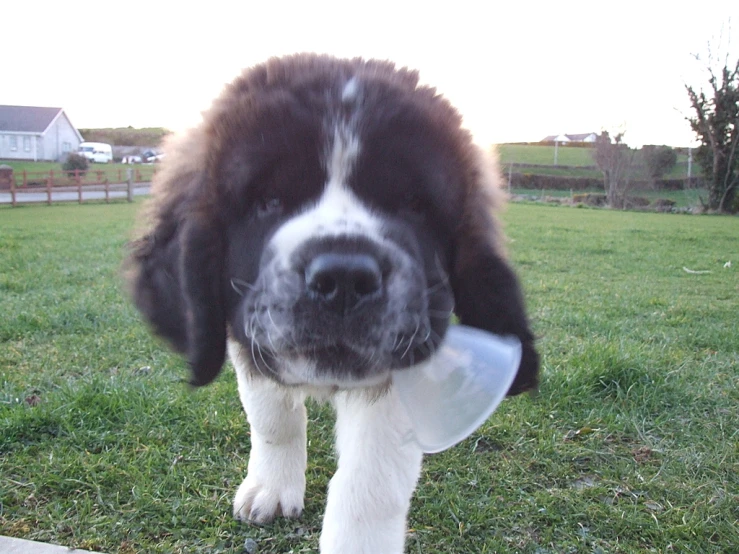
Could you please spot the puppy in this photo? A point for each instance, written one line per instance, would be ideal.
(321, 226)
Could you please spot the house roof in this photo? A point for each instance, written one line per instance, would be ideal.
(564, 138)
(581, 136)
(27, 119)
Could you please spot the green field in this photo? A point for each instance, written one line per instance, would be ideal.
(575, 157)
(38, 173)
(544, 155)
(630, 446)
(45, 167)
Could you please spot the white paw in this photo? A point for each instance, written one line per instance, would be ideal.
(261, 500)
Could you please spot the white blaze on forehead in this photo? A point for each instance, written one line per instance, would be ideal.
(338, 212)
(342, 156)
(351, 88)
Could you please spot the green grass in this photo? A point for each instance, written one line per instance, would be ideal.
(38, 171)
(631, 445)
(45, 167)
(576, 157)
(544, 154)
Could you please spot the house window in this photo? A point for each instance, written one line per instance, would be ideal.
(66, 147)
(13, 143)
(26, 144)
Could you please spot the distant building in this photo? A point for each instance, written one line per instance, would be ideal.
(582, 137)
(36, 133)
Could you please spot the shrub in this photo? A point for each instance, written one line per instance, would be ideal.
(589, 199)
(659, 160)
(663, 204)
(636, 202)
(76, 162)
(554, 182)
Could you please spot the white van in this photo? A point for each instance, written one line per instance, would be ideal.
(97, 152)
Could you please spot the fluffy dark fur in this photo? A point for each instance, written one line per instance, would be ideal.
(258, 159)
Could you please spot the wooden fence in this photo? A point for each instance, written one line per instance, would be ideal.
(64, 186)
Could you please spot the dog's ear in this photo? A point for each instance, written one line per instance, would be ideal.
(175, 272)
(487, 294)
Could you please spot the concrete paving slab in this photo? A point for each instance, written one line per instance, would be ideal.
(10, 545)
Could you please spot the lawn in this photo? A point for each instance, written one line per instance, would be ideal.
(578, 160)
(45, 167)
(544, 155)
(37, 172)
(630, 446)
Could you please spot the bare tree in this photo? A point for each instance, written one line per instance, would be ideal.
(716, 124)
(616, 161)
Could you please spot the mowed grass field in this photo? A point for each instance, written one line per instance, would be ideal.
(572, 157)
(630, 446)
(38, 172)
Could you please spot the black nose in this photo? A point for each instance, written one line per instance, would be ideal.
(343, 282)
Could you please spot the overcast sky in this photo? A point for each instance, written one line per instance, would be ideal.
(516, 73)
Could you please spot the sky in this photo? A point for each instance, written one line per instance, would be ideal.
(517, 73)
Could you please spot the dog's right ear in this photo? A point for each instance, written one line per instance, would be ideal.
(174, 272)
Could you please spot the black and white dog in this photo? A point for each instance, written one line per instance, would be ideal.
(321, 225)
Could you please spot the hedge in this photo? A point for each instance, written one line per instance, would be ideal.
(559, 182)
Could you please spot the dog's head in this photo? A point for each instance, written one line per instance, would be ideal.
(329, 215)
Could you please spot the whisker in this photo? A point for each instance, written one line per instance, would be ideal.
(253, 343)
(397, 342)
(236, 283)
(274, 325)
(437, 286)
(271, 369)
(438, 314)
(443, 276)
(269, 339)
(410, 341)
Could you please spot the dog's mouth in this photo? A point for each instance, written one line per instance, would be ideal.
(314, 359)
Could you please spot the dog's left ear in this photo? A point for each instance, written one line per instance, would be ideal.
(487, 294)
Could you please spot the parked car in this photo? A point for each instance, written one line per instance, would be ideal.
(97, 152)
(151, 156)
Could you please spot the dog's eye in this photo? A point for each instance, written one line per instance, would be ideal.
(267, 206)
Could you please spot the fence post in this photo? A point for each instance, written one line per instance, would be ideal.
(79, 184)
(12, 190)
(25, 179)
(49, 183)
(129, 187)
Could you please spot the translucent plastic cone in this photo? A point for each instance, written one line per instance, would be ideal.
(450, 395)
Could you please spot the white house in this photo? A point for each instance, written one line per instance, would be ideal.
(36, 133)
(582, 137)
(556, 138)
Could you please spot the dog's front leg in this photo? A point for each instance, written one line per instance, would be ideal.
(275, 480)
(378, 468)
